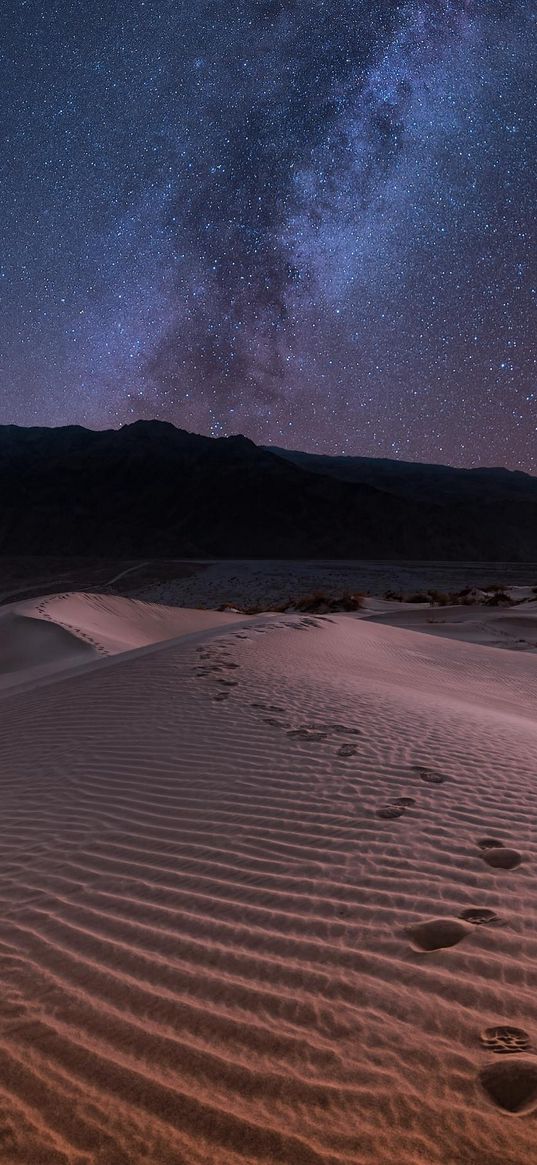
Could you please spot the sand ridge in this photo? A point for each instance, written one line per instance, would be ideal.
(208, 935)
(44, 636)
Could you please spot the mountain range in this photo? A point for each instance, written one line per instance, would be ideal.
(152, 489)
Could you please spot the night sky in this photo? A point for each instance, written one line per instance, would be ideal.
(309, 222)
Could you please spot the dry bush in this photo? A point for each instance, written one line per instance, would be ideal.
(315, 602)
(499, 599)
(320, 601)
(440, 598)
(350, 601)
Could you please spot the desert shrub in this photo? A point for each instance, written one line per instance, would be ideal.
(321, 601)
(312, 602)
(495, 587)
(418, 597)
(281, 608)
(397, 596)
(351, 602)
(465, 598)
(440, 598)
(499, 599)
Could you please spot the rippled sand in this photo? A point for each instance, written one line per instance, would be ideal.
(251, 911)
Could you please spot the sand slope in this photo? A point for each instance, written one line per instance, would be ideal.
(207, 951)
(29, 643)
(514, 628)
(43, 636)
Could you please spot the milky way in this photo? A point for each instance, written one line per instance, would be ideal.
(310, 223)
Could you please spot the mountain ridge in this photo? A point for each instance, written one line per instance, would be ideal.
(150, 488)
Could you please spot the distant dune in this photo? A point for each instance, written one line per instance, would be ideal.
(268, 895)
(514, 628)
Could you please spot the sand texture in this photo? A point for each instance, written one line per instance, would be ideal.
(268, 896)
(514, 628)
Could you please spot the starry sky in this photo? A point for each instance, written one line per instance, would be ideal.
(312, 223)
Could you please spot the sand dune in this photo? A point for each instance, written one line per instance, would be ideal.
(250, 908)
(514, 628)
(27, 643)
(40, 637)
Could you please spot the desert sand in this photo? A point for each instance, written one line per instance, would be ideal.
(268, 892)
(513, 628)
(40, 637)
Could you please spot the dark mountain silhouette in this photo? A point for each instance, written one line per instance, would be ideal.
(152, 489)
(410, 479)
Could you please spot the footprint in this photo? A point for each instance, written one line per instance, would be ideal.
(489, 843)
(315, 726)
(390, 812)
(221, 696)
(480, 916)
(505, 1040)
(344, 730)
(228, 683)
(347, 750)
(268, 707)
(275, 723)
(438, 933)
(404, 802)
(511, 1084)
(307, 734)
(430, 776)
(501, 859)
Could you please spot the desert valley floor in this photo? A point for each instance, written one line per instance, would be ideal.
(268, 889)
